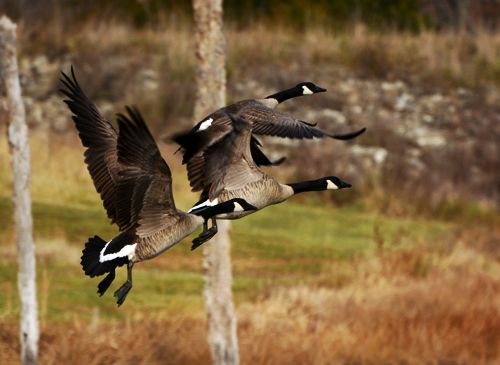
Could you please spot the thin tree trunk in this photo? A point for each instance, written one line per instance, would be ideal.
(20, 160)
(222, 324)
(464, 24)
(211, 95)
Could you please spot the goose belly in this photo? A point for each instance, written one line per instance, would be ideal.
(158, 242)
(260, 195)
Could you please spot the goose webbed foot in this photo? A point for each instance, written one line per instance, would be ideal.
(105, 283)
(205, 236)
(121, 293)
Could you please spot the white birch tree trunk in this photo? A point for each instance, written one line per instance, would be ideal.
(211, 95)
(20, 160)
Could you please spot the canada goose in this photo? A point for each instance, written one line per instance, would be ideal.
(264, 120)
(226, 171)
(135, 185)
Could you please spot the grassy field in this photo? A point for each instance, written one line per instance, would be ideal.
(288, 244)
(313, 283)
(284, 245)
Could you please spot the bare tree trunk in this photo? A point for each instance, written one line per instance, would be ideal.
(222, 324)
(463, 15)
(211, 95)
(20, 159)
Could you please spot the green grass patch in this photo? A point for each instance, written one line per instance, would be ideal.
(283, 245)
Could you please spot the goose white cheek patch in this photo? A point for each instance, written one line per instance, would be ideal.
(238, 208)
(330, 185)
(126, 251)
(306, 90)
(205, 124)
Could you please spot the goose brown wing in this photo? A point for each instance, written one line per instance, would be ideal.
(212, 129)
(99, 137)
(144, 197)
(193, 143)
(266, 121)
(227, 164)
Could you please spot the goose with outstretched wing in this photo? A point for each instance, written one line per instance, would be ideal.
(227, 170)
(264, 120)
(135, 184)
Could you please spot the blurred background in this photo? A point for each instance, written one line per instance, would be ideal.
(402, 269)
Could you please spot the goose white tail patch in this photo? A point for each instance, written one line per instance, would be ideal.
(330, 185)
(206, 203)
(205, 124)
(306, 90)
(126, 251)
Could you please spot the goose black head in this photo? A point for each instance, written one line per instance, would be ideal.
(334, 183)
(303, 88)
(241, 205)
(325, 183)
(309, 88)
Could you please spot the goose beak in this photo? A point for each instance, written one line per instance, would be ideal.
(342, 184)
(319, 90)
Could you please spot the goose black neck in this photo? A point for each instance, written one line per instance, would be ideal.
(211, 211)
(281, 96)
(230, 206)
(311, 185)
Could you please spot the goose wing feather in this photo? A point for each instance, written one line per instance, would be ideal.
(144, 197)
(100, 139)
(266, 121)
(226, 165)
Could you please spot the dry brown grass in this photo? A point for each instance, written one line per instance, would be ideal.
(405, 306)
(430, 58)
(392, 314)
(172, 341)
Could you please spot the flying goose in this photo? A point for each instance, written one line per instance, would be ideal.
(226, 171)
(264, 121)
(135, 185)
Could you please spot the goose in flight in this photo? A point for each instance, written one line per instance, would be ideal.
(227, 170)
(135, 185)
(264, 120)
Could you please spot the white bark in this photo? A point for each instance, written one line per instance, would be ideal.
(211, 95)
(20, 160)
(221, 317)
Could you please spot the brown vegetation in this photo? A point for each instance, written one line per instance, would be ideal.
(438, 303)
(428, 302)
(396, 84)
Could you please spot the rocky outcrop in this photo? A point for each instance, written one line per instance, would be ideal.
(447, 140)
